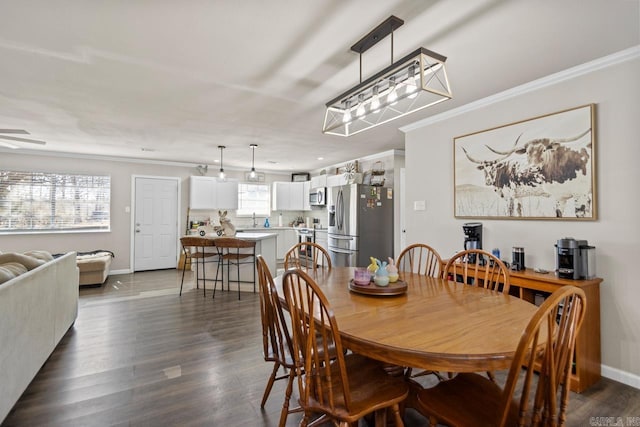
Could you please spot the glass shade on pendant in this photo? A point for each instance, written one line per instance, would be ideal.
(417, 81)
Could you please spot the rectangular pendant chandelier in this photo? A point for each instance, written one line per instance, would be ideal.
(417, 81)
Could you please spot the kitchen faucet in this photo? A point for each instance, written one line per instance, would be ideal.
(255, 223)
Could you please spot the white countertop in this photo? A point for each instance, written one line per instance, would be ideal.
(248, 236)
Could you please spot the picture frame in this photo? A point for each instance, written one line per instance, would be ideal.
(300, 177)
(537, 168)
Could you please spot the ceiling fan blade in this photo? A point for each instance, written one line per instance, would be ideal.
(20, 131)
(8, 145)
(13, 138)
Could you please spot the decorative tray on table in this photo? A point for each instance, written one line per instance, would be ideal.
(395, 288)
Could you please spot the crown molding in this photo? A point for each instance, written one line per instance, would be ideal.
(552, 79)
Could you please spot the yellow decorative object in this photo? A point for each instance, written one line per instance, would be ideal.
(373, 267)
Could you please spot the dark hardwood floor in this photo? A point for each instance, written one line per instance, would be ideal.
(139, 354)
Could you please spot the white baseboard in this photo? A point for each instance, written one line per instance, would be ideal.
(621, 376)
(116, 272)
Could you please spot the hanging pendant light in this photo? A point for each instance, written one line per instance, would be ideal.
(252, 174)
(416, 81)
(221, 174)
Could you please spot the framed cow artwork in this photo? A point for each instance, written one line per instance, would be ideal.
(538, 168)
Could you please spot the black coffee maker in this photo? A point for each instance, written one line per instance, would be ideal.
(472, 237)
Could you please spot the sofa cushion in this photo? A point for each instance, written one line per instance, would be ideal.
(28, 261)
(10, 270)
(43, 255)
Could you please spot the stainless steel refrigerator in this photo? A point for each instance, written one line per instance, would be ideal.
(360, 224)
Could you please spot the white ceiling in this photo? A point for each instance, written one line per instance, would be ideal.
(178, 78)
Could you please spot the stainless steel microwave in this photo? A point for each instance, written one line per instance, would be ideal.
(317, 196)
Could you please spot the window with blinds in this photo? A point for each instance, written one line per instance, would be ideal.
(45, 202)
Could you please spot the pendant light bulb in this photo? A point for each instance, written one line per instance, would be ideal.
(346, 118)
(412, 82)
(360, 109)
(221, 173)
(375, 100)
(253, 174)
(392, 97)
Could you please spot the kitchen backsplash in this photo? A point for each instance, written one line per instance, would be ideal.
(288, 217)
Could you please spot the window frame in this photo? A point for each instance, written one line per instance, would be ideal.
(54, 202)
(247, 212)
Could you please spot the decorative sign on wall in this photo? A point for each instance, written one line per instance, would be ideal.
(538, 168)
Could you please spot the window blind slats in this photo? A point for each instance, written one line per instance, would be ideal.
(38, 201)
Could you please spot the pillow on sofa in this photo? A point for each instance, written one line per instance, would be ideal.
(10, 270)
(43, 255)
(26, 260)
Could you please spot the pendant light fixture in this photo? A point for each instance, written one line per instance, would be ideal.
(252, 174)
(221, 174)
(417, 81)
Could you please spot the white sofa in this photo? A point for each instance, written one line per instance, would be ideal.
(36, 310)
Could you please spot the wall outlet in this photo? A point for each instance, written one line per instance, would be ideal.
(419, 205)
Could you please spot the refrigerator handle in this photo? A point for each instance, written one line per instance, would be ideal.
(340, 209)
(341, 251)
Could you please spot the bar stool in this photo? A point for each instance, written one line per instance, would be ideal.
(200, 254)
(235, 252)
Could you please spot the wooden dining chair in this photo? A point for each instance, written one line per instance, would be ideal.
(194, 249)
(420, 258)
(424, 260)
(478, 268)
(473, 400)
(344, 388)
(308, 256)
(236, 252)
(277, 346)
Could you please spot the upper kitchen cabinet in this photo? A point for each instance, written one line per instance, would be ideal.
(319, 181)
(336, 180)
(306, 188)
(207, 192)
(290, 196)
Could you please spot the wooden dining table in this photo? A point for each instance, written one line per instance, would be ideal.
(436, 324)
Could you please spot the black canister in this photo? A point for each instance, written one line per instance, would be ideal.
(518, 258)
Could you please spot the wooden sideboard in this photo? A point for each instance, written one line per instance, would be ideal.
(527, 283)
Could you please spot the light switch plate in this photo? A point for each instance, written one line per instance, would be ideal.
(419, 205)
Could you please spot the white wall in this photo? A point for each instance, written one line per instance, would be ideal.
(121, 172)
(616, 234)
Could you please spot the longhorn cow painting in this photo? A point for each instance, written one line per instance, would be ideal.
(539, 168)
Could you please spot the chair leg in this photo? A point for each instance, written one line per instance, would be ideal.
(397, 416)
(238, 276)
(215, 282)
(197, 275)
(204, 274)
(272, 379)
(287, 398)
(184, 267)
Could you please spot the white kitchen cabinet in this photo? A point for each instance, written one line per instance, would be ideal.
(227, 194)
(288, 196)
(319, 181)
(287, 237)
(207, 192)
(321, 239)
(306, 206)
(336, 180)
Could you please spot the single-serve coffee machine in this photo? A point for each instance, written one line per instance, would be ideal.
(575, 259)
(472, 237)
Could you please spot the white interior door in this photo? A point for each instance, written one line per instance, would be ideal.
(155, 223)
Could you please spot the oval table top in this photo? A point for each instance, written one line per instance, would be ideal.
(436, 325)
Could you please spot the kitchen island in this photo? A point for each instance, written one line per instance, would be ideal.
(265, 246)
